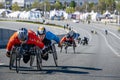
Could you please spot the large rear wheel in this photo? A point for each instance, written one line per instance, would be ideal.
(12, 58)
(39, 60)
(74, 49)
(55, 55)
(66, 48)
(17, 63)
(74, 45)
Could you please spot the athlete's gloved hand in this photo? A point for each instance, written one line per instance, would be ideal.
(8, 53)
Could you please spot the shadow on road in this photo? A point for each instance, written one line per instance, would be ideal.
(54, 69)
(87, 68)
(79, 53)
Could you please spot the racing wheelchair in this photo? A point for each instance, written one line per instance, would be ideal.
(67, 44)
(84, 41)
(52, 50)
(18, 51)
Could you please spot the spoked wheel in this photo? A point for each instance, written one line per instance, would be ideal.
(66, 49)
(17, 63)
(74, 48)
(12, 59)
(55, 55)
(39, 60)
(11, 62)
(61, 49)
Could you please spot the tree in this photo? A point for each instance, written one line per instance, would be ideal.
(73, 4)
(95, 8)
(114, 6)
(118, 6)
(106, 5)
(65, 4)
(47, 5)
(70, 10)
(58, 5)
(15, 7)
(91, 5)
(77, 8)
(36, 4)
(101, 6)
(1, 5)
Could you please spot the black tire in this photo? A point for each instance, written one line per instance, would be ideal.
(55, 55)
(78, 41)
(74, 45)
(17, 62)
(84, 43)
(61, 49)
(39, 60)
(12, 59)
(66, 48)
(11, 62)
(32, 59)
(74, 48)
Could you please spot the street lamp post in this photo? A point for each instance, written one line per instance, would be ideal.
(118, 18)
(5, 5)
(86, 7)
(44, 9)
(30, 4)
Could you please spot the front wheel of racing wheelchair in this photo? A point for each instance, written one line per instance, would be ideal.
(18, 52)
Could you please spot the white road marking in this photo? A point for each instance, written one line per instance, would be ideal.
(113, 50)
(1, 63)
(114, 34)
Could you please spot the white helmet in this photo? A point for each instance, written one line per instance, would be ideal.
(71, 33)
(22, 34)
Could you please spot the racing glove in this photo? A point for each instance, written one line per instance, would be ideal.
(8, 53)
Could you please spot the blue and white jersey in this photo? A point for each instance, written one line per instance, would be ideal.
(76, 36)
(50, 36)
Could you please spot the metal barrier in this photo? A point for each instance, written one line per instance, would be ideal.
(4, 36)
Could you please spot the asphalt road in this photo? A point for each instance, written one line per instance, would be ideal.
(99, 60)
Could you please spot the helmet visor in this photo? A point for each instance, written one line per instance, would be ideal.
(41, 32)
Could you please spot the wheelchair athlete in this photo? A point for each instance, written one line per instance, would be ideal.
(68, 39)
(84, 41)
(26, 37)
(47, 37)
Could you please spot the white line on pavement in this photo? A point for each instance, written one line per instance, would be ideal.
(107, 41)
(113, 50)
(1, 63)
